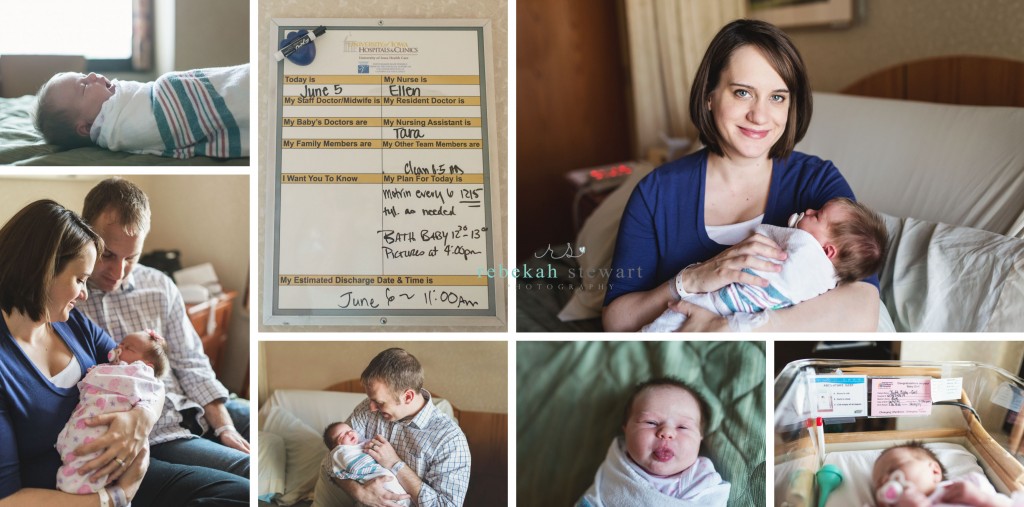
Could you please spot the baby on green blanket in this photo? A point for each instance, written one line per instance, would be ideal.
(657, 460)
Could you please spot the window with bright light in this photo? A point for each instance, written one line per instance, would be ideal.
(98, 29)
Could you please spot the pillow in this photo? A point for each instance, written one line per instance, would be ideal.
(304, 449)
(272, 465)
(316, 409)
(942, 162)
(856, 467)
(940, 277)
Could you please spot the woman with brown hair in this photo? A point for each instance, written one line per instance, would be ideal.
(47, 254)
(687, 227)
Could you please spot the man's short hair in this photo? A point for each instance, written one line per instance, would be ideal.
(36, 244)
(917, 447)
(782, 55)
(397, 369)
(861, 240)
(122, 197)
(668, 381)
(55, 123)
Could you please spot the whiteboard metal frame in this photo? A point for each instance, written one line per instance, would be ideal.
(272, 213)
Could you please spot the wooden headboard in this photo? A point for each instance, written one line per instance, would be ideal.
(964, 80)
(487, 433)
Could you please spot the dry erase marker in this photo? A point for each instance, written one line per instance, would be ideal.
(299, 42)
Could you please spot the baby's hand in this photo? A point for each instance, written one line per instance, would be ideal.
(967, 493)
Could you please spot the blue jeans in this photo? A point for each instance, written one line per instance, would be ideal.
(207, 451)
(171, 485)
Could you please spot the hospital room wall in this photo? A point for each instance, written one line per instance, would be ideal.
(887, 33)
(208, 222)
(472, 375)
(193, 34)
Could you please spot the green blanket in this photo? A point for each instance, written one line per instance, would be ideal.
(21, 144)
(570, 398)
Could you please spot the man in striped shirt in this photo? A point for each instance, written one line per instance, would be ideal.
(424, 448)
(125, 297)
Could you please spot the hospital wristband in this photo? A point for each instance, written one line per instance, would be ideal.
(227, 427)
(397, 466)
(680, 291)
(104, 497)
(118, 498)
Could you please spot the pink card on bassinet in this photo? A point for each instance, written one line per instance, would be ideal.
(893, 397)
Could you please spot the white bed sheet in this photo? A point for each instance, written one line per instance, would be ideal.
(856, 489)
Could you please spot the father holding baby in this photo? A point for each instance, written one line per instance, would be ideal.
(125, 297)
(406, 434)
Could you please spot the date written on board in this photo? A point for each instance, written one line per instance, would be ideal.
(430, 297)
(319, 91)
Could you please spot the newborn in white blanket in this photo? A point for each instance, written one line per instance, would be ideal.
(348, 460)
(656, 463)
(842, 242)
(181, 114)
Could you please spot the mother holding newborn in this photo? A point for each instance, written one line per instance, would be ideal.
(687, 227)
(46, 345)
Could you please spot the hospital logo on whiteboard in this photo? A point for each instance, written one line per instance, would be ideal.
(363, 68)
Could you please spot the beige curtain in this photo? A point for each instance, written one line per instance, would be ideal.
(142, 35)
(667, 40)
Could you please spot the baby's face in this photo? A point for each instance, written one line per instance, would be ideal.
(663, 430)
(918, 469)
(343, 434)
(818, 222)
(133, 347)
(84, 94)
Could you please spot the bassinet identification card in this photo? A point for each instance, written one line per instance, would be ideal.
(893, 397)
(841, 395)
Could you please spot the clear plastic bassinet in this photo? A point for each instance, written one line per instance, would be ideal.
(984, 419)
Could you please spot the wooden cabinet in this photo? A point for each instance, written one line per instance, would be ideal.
(216, 336)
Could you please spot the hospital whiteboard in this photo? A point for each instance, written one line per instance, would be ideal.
(383, 202)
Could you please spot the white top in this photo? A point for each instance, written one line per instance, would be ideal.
(733, 233)
(69, 376)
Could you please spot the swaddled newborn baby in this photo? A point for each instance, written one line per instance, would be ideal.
(842, 242)
(656, 464)
(130, 379)
(181, 114)
(348, 460)
(910, 475)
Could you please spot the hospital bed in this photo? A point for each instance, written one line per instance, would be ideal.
(932, 145)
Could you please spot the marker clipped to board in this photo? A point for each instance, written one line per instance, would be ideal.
(298, 46)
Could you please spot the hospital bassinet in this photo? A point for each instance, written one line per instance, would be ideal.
(984, 419)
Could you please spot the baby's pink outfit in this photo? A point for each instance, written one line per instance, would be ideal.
(105, 389)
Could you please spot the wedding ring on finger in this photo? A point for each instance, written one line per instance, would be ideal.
(120, 462)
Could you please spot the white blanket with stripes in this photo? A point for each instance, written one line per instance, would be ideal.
(806, 273)
(201, 112)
